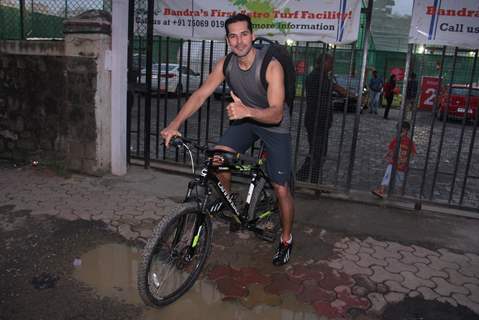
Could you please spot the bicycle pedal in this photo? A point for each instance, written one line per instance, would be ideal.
(267, 236)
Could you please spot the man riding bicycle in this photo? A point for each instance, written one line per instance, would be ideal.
(255, 112)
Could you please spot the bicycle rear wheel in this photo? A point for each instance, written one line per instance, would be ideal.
(174, 255)
(264, 208)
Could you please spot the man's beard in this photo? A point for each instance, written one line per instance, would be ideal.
(239, 55)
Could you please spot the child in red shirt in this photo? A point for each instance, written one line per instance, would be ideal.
(407, 147)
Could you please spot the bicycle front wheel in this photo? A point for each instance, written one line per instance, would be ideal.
(174, 255)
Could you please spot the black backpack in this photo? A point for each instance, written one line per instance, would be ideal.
(280, 53)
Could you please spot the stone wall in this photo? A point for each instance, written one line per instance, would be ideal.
(47, 109)
(55, 97)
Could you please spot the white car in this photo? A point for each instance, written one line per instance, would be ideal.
(189, 79)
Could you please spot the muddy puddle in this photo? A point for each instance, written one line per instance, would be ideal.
(111, 270)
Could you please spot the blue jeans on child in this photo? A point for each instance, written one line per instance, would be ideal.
(387, 177)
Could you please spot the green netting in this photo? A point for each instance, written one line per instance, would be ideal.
(41, 19)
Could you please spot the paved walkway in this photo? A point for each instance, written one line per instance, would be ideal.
(350, 260)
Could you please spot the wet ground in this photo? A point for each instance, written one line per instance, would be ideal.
(69, 249)
(37, 278)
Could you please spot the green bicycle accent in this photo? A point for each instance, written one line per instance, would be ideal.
(265, 214)
(196, 238)
(243, 168)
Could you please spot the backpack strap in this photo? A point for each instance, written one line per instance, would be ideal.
(264, 65)
(227, 68)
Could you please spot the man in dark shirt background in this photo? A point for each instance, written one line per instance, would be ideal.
(318, 117)
(411, 94)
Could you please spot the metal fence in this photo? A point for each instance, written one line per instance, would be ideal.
(27, 19)
(444, 171)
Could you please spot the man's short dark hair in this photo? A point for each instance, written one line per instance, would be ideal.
(322, 58)
(237, 18)
(405, 125)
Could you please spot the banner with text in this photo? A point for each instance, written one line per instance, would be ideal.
(445, 22)
(331, 21)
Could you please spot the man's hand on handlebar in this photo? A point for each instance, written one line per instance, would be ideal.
(168, 133)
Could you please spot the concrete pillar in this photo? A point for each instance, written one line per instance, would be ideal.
(94, 34)
(119, 86)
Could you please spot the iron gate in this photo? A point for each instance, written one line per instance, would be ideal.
(164, 71)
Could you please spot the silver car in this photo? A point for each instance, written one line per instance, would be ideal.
(173, 78)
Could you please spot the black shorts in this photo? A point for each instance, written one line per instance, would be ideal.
(241, 136)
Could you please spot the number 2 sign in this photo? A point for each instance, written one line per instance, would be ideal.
(429, 89)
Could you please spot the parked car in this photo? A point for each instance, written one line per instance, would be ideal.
(189, 79)
(457, 102)
(339, 101)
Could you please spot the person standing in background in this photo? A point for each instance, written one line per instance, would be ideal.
(411, 94)
(389, 94)
(375, 88)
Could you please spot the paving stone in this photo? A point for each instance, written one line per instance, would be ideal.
(351, 301)
(449, 300)
(382, 288)
(257, 297)
(425, 272)
(309, 231)
(302, 273)
(444, 288)
(249, 275)
(465, 301)
(459, 279)
(412, 282)
(397, 247)
(333, 278)
(336, 264)
(427, 293)
(360, 291)
(353, 248)
(423, 252)
(394, 297)
(474, 258)
(350, 257)
(351, 268)
(382, 253)
(366, 260)
(409, 258)
(68, 216)
(231, 289)
(380, 275)
(125, 231)
(342, 244)
(396, 286)
(365, 282)
(375, 242)
(395, 266)
(439, 264)
(281, 283)
(378, 303)
(474, 290)
(145, 233)
(328, 311)
(470, 271)
(311, 294)
(449, 256)
(366, 250)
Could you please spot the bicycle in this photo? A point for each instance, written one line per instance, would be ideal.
(177, 251)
